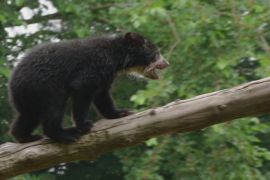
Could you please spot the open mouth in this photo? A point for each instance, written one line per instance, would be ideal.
(151, 73)
(153, 70)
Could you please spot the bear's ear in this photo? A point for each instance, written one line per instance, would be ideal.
(134, 38)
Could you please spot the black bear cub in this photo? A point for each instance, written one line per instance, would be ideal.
(80, 69)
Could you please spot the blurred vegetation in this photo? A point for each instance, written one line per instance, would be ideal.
(211, 45)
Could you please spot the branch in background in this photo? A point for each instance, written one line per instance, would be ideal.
(57, 15)
(175, 34)
(108, 5)
(40, 19)
(264, 44)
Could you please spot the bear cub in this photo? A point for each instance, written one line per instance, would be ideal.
(80, 69)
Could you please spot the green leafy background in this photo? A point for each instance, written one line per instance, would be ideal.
(211, 45)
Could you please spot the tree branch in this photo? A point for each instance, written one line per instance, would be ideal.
(251, 99)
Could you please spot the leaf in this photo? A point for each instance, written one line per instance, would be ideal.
(20, 3)
(152, 142)
(5, 71)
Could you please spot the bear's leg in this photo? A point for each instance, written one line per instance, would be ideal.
(105, 105)
(81, 103)
(52, 117)
(23, 127)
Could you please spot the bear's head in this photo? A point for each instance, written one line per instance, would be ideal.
(143, 57)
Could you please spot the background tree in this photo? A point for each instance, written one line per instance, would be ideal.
(211, 45)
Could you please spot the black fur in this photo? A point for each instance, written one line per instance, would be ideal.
(82, 69)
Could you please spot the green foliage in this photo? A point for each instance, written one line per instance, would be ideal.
(211, 45)
(220, 152)
(34, 177)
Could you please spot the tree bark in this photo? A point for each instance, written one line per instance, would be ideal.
(251, 99)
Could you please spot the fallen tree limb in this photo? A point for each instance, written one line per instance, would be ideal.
(251, 99)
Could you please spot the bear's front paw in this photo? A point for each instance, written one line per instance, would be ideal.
(124, 112)
(119, 114)
(85, 127)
